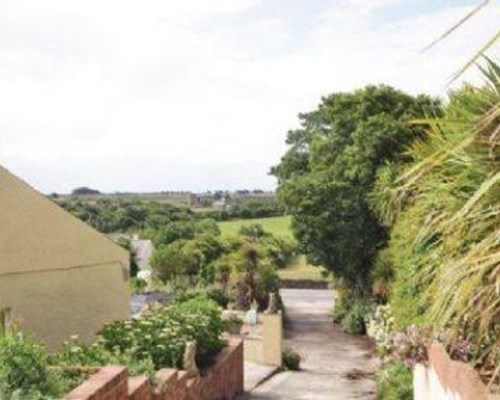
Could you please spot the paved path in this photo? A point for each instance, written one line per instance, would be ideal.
(335, 365)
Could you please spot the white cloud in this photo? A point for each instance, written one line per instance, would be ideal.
(158, 95)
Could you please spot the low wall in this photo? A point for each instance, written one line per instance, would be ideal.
(446, 379)
(267, 347)
(222, 381)
(303, 284)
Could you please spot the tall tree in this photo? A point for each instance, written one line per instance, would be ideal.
(329, 170)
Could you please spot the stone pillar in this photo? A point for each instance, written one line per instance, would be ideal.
(272, 338)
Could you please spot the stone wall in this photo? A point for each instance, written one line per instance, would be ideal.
(445, 379)
(222, 381)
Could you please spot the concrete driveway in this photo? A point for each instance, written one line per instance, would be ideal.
(335, 365)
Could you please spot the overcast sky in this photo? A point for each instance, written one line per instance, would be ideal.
(199, 94)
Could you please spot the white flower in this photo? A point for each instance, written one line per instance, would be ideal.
(144, 275)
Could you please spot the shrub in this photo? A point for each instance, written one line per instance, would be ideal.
(218, 295)
(395, 382)
(254, 279)
(76, 361)
(233, 324)
(380, 328)
(161, 334)
(281, 252)
(382, 275)
(291, 359)
(170, 261)
(255, 231)
(137, 285)
(339, 310)
(24, 369)
(354, 321)
(340, 306)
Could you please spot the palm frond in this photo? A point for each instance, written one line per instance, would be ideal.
(456, 25)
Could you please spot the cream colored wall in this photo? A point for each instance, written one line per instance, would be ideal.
(59, 276)
(272, 338)
(52, 306)
(266, 349)
(426, 385)
(36, 234)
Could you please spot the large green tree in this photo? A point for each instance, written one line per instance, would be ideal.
(327, 173)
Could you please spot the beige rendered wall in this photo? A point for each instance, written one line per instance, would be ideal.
(266, 348)
(445, 379)
(52, 306)
(57, 275)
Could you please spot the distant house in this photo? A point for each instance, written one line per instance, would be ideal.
(58, 276)
(219, 204)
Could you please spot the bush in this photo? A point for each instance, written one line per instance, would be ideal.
(24, 370)
(218, 296)
(291, 359)
(255, 231)
(76, 361)
(339, 310)
(395, 382)
(341, 303)
(161, 334)
(354, 321)
(170, 261)
(233, 324)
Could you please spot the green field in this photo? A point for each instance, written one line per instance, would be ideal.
(278, 226)
(301, 270)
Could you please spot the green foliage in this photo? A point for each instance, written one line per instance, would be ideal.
(255, 231)
(254, 208)
(127, 245)
(24, 370)
(218, 295)
(443, 209)
(326, 175)
(172, 232)
(395, 382)
(188, 257)
(233, 324)
(137, 285)
(76, 361)
(170, 261)
(340, 310)
(253, 278)
(161, 334)
(291, 359)
(354, 320)
(242, 268)
(118, 215)
(277, 226)
(382, 275)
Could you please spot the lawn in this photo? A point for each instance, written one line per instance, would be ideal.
(278, 226)
(301, 270)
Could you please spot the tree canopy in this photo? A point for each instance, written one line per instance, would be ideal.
(327, 173)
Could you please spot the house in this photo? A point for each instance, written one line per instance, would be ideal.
(143, 250)
(58, 276)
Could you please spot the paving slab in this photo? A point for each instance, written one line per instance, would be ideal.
(335, 366)
(255, 374)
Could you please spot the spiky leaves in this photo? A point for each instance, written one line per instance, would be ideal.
(444, 209)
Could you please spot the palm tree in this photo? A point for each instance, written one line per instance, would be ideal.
(444, 210)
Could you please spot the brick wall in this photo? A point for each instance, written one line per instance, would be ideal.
(445, 379)
(222, 381)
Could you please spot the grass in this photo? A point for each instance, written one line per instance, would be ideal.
(278, 226)
(301, 270)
